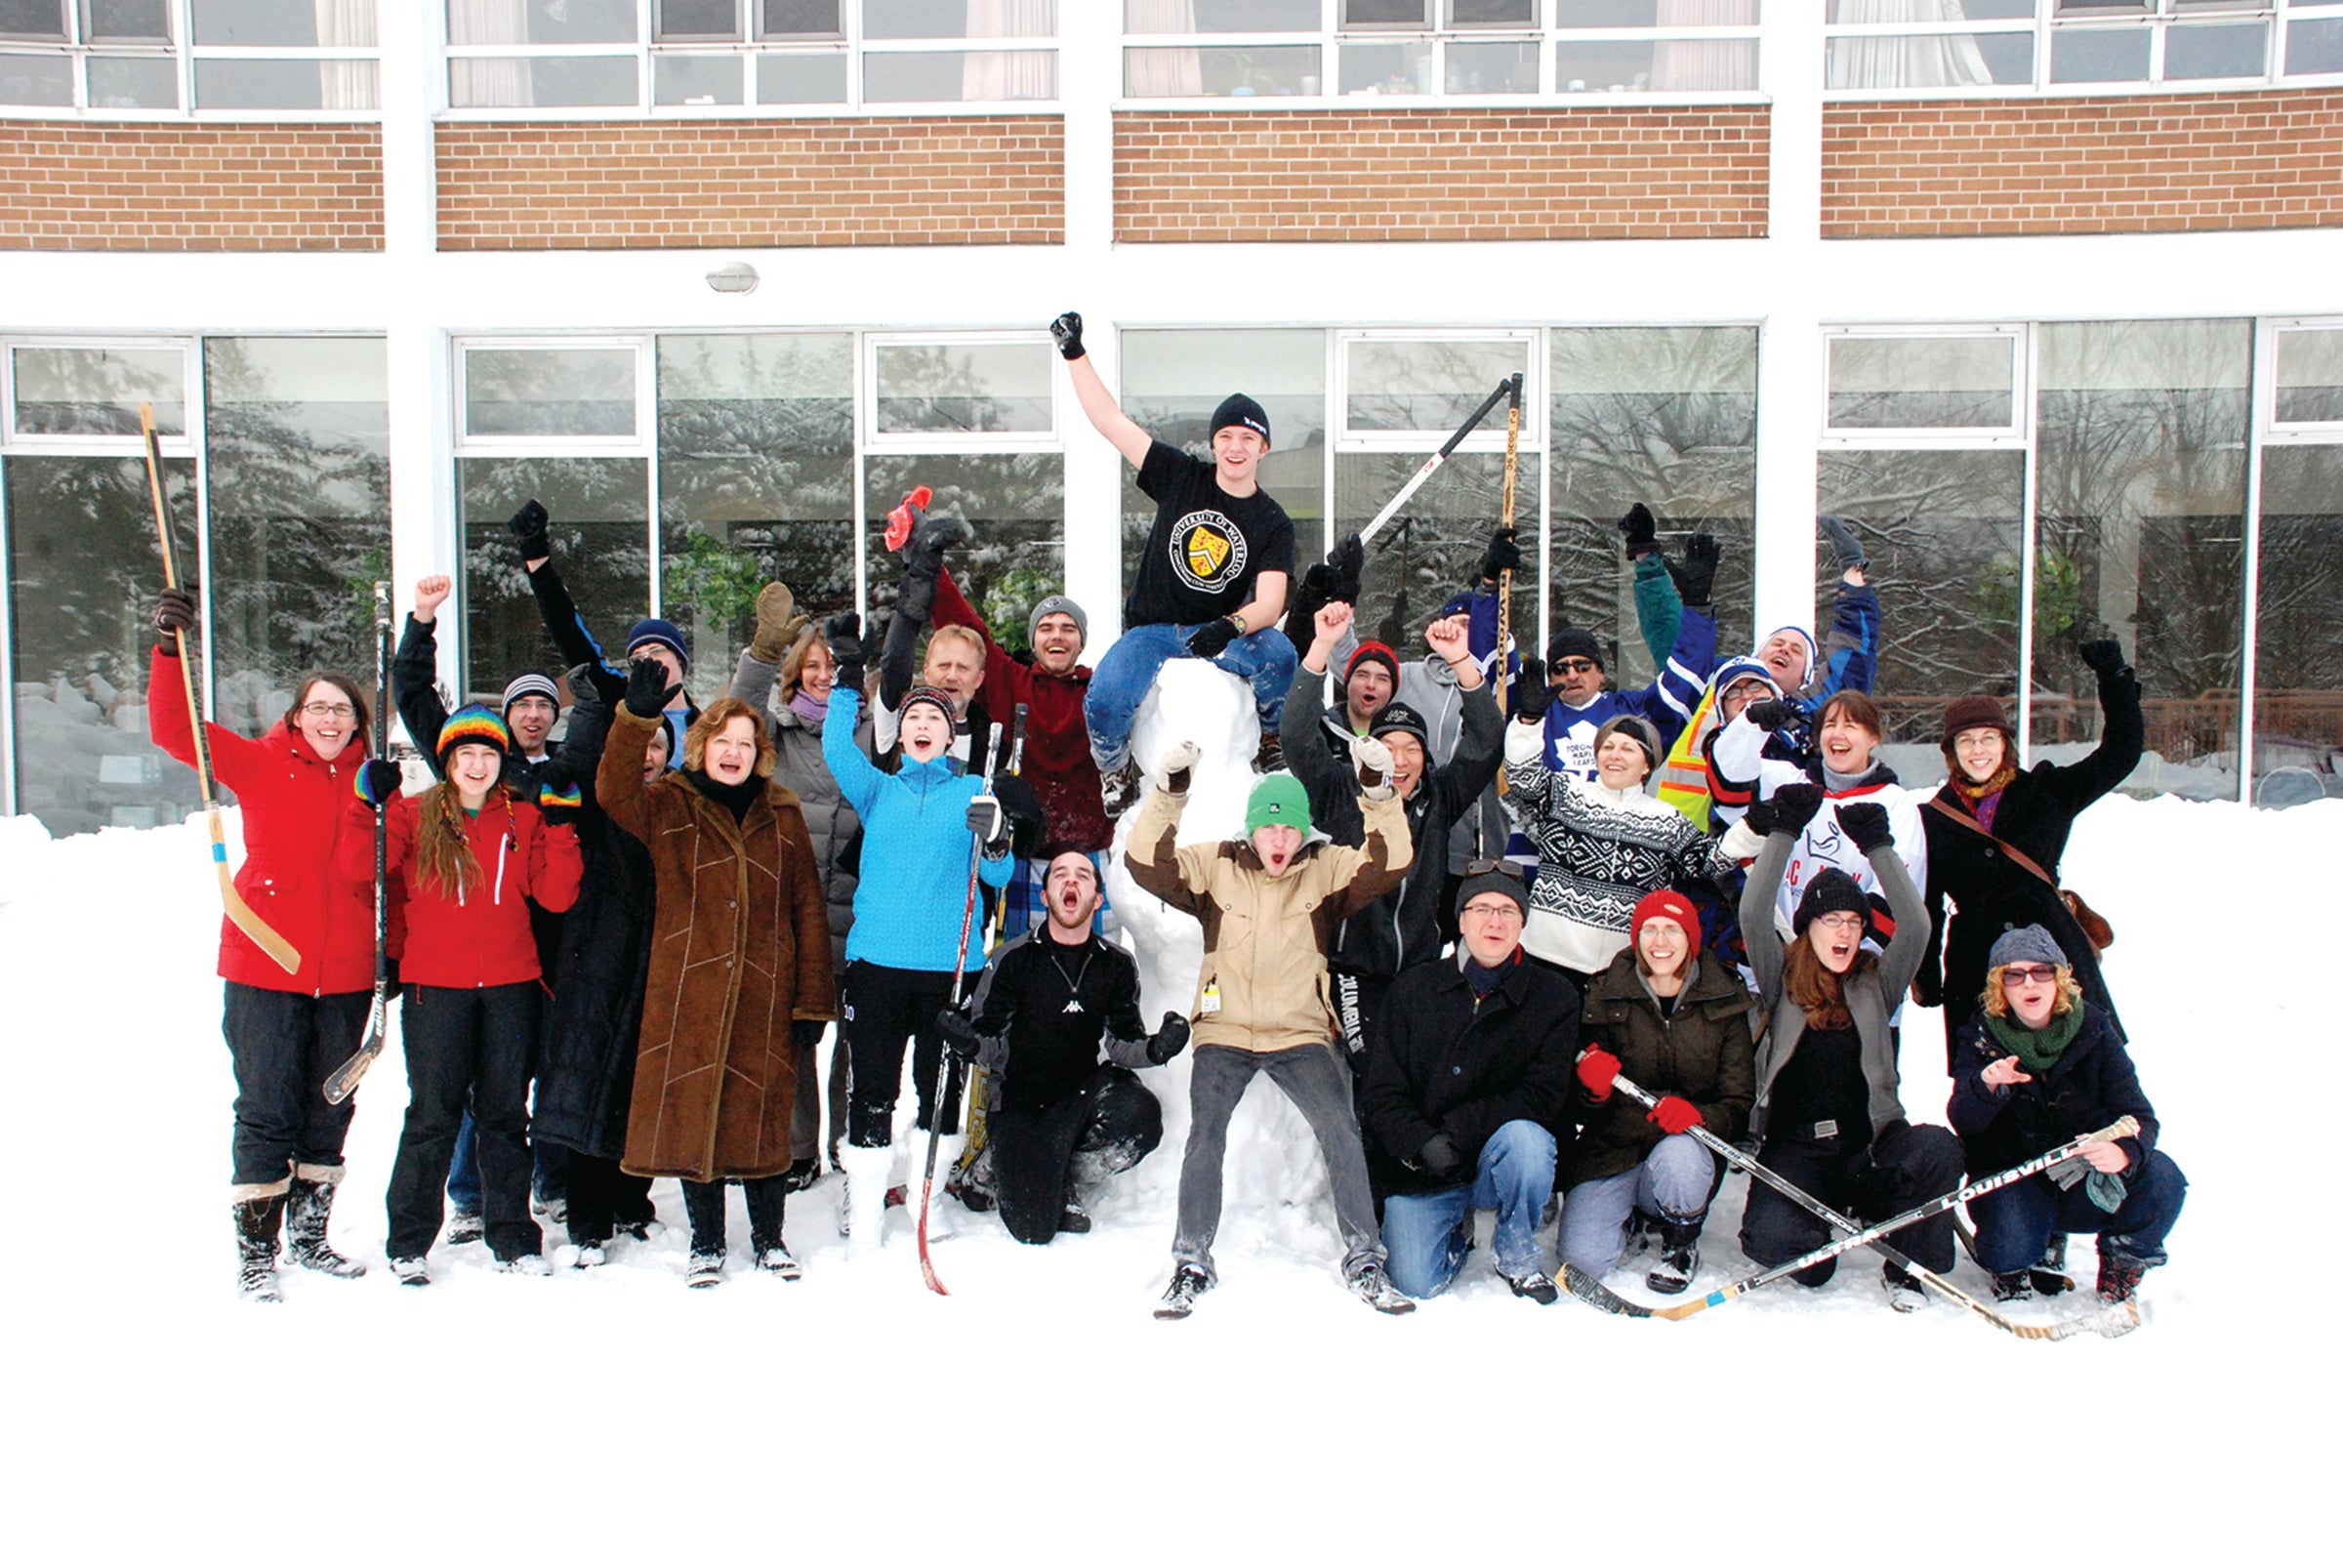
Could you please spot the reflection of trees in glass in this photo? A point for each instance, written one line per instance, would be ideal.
(299, 520)
(1015, 501)
(83, 572)
(1942, 532)
(600, 545)
(1433, 549)
(1667, 416)
(942, 387)
(2298, 635)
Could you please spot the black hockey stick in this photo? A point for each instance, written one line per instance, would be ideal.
(1507, 388)
(345, 1080)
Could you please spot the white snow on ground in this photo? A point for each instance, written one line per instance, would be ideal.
(1040, 1415)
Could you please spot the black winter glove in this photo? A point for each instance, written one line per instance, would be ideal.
(2103, 655)
(1865, 822)
(990, 823)
(377, 781)
(1532, 696)
(1067, 330)
(931, 537)
(1504, 555)
(529, 535)
(806, 1033)
(1170, 1039)
(648, 688)
(1845, 547)
(1795, 805)
(1695, 575)
(959, 1034)
(1771, 713)
(1762, 818)
(175, 611)
(845, 635)
(1439, 1155)
(1640, 531)
(1026, 818)
(1212, 639)
(1348, 558)
(1311, 594)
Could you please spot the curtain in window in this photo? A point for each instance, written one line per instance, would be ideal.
(1164, 72)
(345, 83)
(1705, 64)
(488, 82)
(1944, 59)
(991, 76)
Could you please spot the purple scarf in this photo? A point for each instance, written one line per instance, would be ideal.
(808, 707)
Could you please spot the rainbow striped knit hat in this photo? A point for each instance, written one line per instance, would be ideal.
(473, 725)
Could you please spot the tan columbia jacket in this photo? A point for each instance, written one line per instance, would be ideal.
(1265, 937)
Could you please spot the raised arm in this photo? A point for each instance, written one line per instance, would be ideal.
(1152, 854)
(415, 670)
(1105, 415)
(2122, 732)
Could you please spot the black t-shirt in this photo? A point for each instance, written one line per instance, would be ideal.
(1207, 547)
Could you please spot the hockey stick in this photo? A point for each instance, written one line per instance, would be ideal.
(1431, 464)
(247, 920)
(345, 1080)
(1505, 579)
(943, 1068)
(980, 1081)
(2110, 1322)
(2123, 1127)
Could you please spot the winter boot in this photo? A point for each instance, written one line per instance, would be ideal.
(2015, 1286)
(529, 1264)
(410, 1271)
(704, 1269)
(1534, 1286)
(1679, 1254)
(1121, 789)
(1271, 757)
(309, 1205)
(2050, 1276)
(1372, 1286)
(862, 1199)
(973, 1181)
(258, 1220)
(1180, 1297)
(1073, 1220)
(2121, 1269)
(1904, 1292)
(939, 1211)
(776, 1261)
(463, 1226)
(803, 1173)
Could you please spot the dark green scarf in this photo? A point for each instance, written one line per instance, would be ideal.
(2037, 1049)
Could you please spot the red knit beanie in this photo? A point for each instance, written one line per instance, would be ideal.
(1667, 904)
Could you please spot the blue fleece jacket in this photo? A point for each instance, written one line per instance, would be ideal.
(914, 851)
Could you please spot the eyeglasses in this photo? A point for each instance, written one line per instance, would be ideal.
(1576, 667)
(2027, 974)
(329, 710)
(1841, 922)
(1503, 908)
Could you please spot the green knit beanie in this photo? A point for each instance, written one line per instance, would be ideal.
(1278, 800)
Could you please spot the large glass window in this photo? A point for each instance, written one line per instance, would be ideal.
(297, 447)
(2298, 627)
(141, 57)
(1501, 49)
(1882, 47)
(1666, 416)
(2140, 532)
(748, 54)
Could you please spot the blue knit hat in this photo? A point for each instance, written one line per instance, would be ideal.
(652, 631)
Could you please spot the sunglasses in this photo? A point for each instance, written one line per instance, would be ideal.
(2027, 974)
(1576, 667)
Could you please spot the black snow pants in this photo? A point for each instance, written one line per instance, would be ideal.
(1110, 1124)
(285, 1044)
(479, 1042)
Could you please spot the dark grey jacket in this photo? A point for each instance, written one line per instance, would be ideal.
(799, 766)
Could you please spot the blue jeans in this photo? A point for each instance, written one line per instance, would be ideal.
(1428, 1235)
(464, 1172)
(1263, 660)
(1673, 1182)
(2014, 1222)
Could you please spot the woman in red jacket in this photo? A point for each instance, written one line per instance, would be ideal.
(286, 1033)
(474, 858)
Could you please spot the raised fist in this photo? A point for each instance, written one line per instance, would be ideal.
(1067, 330)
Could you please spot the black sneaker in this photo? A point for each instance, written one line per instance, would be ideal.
(463, 1226)
(2015, 1286)
(1372, 1286)
(1536, 1286)
(1904, 1292)
(1074, 1219)
(2049, 1272)
(1121, 789)
(1180, 1297)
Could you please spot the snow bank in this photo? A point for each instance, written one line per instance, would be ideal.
(1039, 1413)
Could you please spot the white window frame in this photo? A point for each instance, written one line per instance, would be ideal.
(184, 52)
(2017, 433)
(869, 437)
(642, 443)
(1489, 436)
(645, 51)
(2303, 431)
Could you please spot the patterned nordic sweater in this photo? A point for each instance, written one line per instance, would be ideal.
(1599, 851)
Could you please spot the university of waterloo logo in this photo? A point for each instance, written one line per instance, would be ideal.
(1207, 553)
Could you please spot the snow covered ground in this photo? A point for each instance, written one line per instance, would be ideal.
(1039, 1413)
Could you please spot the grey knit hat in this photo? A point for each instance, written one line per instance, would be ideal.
(2028, 944)
(1056, 604)
(531, 684)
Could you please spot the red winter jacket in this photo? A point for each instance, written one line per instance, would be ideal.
(294, 824)
(1057, 741)
(482, 936)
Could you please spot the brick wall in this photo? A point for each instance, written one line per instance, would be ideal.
(2083, 165)
(1441, 174)
(975, 179)
(75, 185)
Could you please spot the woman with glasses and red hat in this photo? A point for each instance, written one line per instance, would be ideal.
(2039, 1064)
(1829, 1115)
(1989, 820)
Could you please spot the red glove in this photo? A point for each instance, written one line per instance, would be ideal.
(1675, 1114)
(1596, 1069)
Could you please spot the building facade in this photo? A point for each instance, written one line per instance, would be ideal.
(2043, 294)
